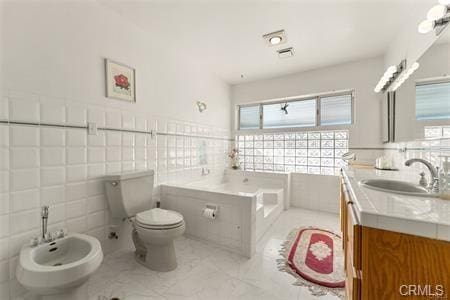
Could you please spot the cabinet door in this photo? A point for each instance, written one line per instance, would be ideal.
(353, 255)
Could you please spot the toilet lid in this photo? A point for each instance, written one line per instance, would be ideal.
(159, 217)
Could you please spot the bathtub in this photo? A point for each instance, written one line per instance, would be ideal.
(246, 211)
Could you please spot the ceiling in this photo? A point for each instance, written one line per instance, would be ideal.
(226, 36)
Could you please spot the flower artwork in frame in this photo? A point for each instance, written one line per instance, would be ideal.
(120, 81)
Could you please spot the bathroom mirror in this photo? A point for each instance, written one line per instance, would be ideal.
(422, 102)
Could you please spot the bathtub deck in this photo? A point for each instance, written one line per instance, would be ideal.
(206, 271)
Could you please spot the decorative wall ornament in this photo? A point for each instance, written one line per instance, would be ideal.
(201, 106)
(120, 81)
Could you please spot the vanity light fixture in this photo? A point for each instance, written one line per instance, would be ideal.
(437, 18)
(275, 38)
(389, 76)
(404, 76)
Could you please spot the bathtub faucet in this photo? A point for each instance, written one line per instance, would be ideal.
(205, 171)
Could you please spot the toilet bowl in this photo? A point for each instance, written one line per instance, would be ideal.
(59, 269)
(154, 229)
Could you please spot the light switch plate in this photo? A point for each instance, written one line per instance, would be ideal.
(92, 128)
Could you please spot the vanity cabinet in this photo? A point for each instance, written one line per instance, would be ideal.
(382, 264)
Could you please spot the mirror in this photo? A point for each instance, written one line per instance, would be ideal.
(422, 102)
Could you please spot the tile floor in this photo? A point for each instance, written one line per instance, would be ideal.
(208, 272)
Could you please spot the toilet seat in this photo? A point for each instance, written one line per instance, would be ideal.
(159, 219)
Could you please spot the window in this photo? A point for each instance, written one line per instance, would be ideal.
(324, 110)
(249, 117)
(336, 110)
(317, 152)
(433, 101)
(295, 114)
(432, 132)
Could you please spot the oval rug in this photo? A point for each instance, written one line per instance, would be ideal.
(315, 257)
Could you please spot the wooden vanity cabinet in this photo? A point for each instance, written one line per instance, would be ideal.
(379, 262)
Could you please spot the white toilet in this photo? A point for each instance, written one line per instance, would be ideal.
(154, 229)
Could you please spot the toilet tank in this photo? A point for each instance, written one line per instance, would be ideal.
(129, 193)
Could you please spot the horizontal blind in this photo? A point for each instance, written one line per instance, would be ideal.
(336, 110)
(249, 117)
(433, 101)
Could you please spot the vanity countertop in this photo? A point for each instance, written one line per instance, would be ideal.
(422, 216)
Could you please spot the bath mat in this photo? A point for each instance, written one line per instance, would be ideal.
(315, 258)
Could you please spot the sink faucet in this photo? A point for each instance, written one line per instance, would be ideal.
(434, 183)
(44, 216)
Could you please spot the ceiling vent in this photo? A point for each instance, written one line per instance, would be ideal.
(286, 52)
(275, 38)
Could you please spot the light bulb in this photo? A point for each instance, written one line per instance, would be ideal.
(437, 12)
(426, 26)
(275, 40)
(415, 66)
(444, 2)
(391, 70)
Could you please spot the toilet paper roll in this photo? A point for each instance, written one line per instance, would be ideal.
(209, 213)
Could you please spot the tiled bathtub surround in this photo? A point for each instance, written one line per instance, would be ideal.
(248, 203)
(48, 158)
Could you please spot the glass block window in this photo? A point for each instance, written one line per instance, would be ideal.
(336, 110)
(312, 152)
(433, 101)
(296, 114)
(249, 117)
(437, 132)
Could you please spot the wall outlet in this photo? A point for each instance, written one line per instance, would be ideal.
(92, 128)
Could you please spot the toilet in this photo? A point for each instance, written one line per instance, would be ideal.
(154, 229)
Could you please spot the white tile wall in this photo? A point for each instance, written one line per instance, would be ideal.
(63, 167)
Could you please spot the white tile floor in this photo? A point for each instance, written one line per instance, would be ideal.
(208, 272)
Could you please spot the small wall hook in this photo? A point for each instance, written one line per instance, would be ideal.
(201, 106)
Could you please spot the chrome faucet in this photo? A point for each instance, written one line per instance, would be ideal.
(434, 183)
(44, 216)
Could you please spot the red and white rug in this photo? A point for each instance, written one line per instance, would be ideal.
(315, 258)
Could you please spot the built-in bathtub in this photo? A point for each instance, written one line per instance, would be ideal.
(246, 209)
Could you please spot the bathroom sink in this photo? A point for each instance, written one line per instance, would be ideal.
(398, 187)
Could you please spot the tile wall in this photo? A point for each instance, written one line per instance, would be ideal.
(48, 158)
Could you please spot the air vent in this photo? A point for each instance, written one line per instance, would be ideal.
(286, 52)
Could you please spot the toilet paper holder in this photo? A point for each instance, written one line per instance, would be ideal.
(213, 208)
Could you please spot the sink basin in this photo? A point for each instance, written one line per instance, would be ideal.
(398, 187)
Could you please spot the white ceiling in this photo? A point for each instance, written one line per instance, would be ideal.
(226, 36)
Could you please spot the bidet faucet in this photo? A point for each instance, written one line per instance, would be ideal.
(44, 216)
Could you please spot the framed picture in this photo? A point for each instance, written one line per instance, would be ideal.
(120, 81)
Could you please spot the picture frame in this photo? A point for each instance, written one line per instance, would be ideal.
(120, 81)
